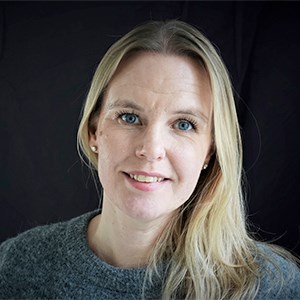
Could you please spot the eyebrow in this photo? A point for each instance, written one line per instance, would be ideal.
(125, 103)
(192, 112)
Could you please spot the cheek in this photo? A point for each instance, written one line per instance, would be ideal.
(189, 160)
(105, 155)
(112, 148)
(111, 143)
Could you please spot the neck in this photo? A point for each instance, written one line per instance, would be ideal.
(122, 241)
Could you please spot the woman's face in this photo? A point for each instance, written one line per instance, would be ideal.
(153, 135)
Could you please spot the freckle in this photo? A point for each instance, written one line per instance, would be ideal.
(100, 133)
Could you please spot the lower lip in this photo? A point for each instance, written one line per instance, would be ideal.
(146, 186)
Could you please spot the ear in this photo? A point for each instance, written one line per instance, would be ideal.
(210, 153)
(93, 124)
(93, 136)
(92, 139)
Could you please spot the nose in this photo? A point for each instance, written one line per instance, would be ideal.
(151, 145)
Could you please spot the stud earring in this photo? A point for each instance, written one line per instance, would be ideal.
(94, 149)
(204, 166)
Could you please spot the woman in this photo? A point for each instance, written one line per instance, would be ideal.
(160, 127)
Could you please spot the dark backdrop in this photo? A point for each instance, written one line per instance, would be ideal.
(48, 53)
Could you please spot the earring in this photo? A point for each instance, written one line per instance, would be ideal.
(94, 149)
(204, 166)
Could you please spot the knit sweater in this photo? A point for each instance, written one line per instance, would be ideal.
(55, 262)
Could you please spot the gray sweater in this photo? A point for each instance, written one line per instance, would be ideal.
(55, 262)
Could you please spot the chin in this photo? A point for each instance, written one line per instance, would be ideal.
(146, 213)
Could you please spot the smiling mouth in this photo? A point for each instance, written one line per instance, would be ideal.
(148, 179)
(145, 179)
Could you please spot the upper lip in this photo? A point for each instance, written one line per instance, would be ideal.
(150, 174)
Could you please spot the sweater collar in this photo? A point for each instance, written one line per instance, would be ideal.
(95, 270)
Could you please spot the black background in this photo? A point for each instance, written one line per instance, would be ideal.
(48, 54)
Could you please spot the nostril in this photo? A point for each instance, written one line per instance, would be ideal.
(152, 153)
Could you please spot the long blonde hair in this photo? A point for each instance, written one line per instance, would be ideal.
(211, 255)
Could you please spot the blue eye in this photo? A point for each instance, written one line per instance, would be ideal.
(184, 125)
(130, 118)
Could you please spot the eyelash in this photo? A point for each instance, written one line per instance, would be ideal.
(193, 123)
(119, 114)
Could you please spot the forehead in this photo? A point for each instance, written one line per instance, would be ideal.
(161, 70)
(159, 80)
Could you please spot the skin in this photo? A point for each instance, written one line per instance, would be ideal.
(155, 118)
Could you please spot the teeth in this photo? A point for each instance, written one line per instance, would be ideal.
(142, 178)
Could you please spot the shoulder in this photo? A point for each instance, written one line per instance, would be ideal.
(24, 260)
(28, 239)
(279, 274)
(31, 259)
(33, 243)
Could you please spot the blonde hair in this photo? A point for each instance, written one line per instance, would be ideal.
(210, 253)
